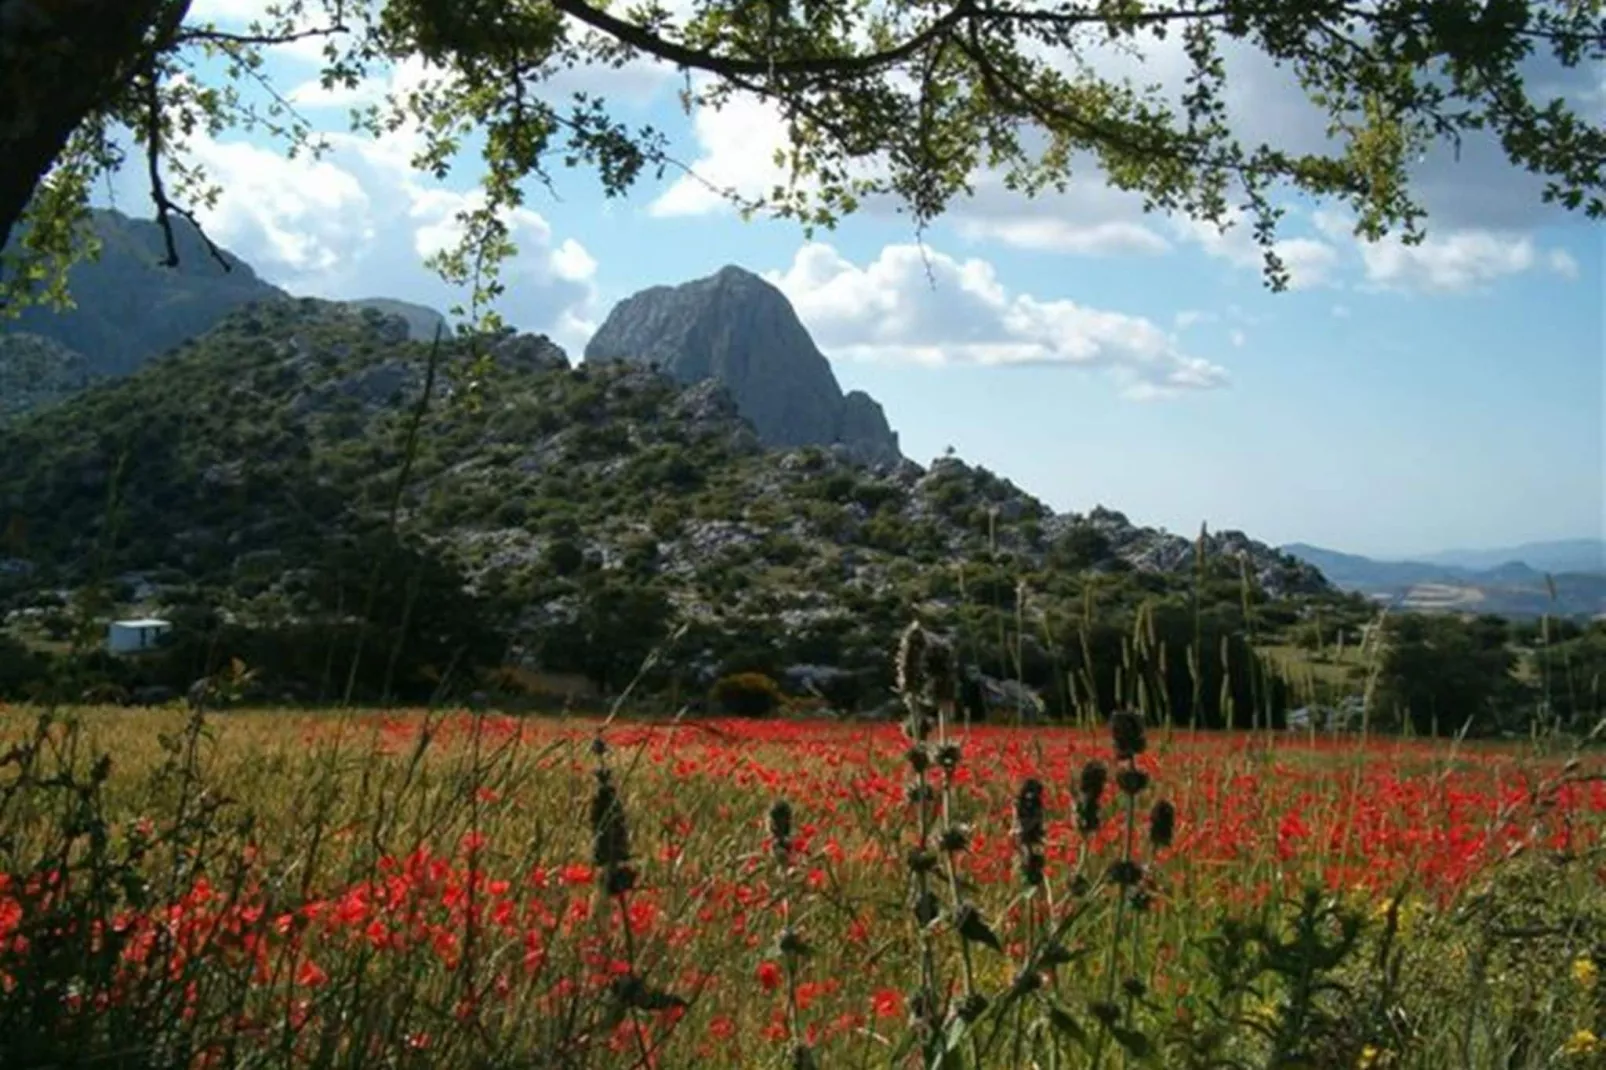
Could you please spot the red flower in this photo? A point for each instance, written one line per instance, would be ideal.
(887, 1003)
(769, 976)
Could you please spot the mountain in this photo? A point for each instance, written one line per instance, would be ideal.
(422, 321)
(571, 511)
(129, 308)
(738, 330)
(1562, 555)
(1513, 588)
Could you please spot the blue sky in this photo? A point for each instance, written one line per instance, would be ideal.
(1397, 401)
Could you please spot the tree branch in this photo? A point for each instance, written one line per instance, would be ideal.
(211, 35)
(165, 208)
(645, 40)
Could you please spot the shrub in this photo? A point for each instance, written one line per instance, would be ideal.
(747, 694)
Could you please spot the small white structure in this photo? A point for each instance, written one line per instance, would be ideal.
(132, 636)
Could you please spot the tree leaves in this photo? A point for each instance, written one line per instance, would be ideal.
(909, 102)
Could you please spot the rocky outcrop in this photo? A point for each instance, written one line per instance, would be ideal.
(740, 331)
(1155, 550)
(422, 321)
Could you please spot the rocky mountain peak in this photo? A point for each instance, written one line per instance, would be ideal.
(739, 330)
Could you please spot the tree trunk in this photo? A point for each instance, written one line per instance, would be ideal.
(62, 61)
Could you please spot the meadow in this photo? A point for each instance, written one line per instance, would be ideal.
(273, 888)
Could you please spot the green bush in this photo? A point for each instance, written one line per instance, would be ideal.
(746, 694)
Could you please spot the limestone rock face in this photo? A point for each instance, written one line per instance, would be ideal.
(740, 331)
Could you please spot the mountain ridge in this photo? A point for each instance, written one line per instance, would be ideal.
(130, 308)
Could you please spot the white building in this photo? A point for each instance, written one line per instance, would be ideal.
(132, 636)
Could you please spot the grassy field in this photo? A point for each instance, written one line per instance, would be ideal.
(271, 888)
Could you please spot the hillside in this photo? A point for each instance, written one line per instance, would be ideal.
(1508, 588)
(36, 371)
(558, 516)
(130, 308)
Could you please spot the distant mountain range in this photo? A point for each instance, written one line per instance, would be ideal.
(1509, 581)
(1563, 555)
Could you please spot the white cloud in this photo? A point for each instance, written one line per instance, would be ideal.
(737, 145)
(229, 12)
(359, 222)
(1562, 263)
(1310, 262)
(1448, 261)
(933, 309)
(299, 217)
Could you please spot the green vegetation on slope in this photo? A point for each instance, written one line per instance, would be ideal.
(280, 489)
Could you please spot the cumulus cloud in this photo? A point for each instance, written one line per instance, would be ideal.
(736, 144)
(1310, 262)
(933, 309)
(1448, 261)
(358, 223)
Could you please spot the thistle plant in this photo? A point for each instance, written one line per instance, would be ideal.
(616, 876)
(928, 683)
(790, 946)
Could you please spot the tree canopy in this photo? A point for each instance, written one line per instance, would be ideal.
(908, 99)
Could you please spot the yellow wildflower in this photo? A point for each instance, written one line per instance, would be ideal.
(1371, 1057)
(1585, 971)
(1582, 1042)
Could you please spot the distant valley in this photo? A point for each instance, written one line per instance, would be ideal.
(1513, 581)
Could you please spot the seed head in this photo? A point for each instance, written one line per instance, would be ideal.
(911, 661)
(1162, 823)
(1126, 730)
(949, 755)
(1106, 1012)
(1126, 873)
(1091, 784)
(791, 943)
(1025, 981)
(972, 1007)
(919, 757)
(1029, 828)
(1132, 781)
(781, 826)
(610, 833)
(954, 838)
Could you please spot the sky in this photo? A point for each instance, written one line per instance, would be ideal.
(1395, 401)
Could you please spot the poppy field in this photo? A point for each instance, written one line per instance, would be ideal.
(273, 888)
